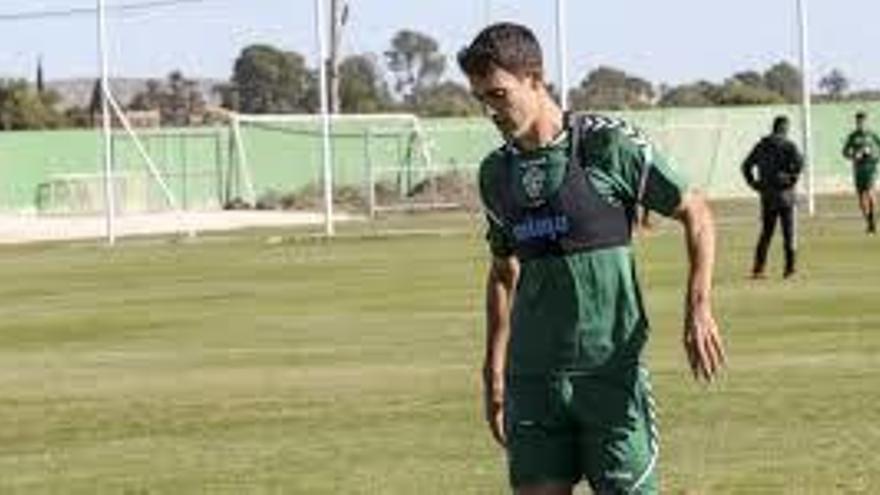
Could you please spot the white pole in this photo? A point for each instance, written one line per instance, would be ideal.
(562, 53)
(109, 193)
(151, 165)
(806, 86)
(325, 115)
(244, 167)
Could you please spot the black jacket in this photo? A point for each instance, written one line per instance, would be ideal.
(778, 164)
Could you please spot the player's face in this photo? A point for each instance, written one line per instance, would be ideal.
(513, 103)
(860, 124)
(782, 130)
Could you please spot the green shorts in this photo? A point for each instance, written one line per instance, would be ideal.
(573, 427)
(865, 175)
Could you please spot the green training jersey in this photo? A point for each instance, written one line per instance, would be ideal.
(582, 311)
(862, 147)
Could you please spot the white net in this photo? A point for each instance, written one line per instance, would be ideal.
(380, 162)
(192, 163)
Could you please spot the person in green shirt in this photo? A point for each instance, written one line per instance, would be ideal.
(565, 390)
(862, 148)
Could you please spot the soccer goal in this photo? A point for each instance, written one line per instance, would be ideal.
(192, 163)
(380, 162)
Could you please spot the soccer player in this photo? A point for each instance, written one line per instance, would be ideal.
(862, 148)
(778, 164)
(565, 391)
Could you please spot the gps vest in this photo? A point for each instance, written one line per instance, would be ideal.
(574, 218)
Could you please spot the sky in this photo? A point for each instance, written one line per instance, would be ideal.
(672, 42)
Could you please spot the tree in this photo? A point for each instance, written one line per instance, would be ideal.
(784, 79)
(750, 78)
(835, 84)
(753, 88)
(228, 94)
(183, 101)
(177, 101)
(781, 83)
(362, 89)
(268, 80)
(736, 92)
(865, 95)
(148, 99)
(610, 88)
(79, 116)
(416, 64)
(698, 94)
(41, 84)
(95, 102)
(22, 108)
(448, 99)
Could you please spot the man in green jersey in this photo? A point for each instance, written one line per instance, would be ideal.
(565, 392)
(862, 148)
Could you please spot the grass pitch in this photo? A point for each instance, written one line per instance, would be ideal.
(262, 364)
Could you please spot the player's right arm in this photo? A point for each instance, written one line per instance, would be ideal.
(500, 287)
(849, 148)
(748, 167)
(500, 290)
(876, 139)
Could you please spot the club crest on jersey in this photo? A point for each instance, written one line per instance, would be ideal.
(533, 180)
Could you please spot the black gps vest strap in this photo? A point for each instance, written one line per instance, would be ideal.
(575, 218)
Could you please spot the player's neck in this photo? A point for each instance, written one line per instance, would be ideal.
(545, 129)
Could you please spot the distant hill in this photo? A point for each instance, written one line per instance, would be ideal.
(78, 92)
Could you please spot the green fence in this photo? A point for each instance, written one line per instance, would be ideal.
(709, 144)
(201, 165)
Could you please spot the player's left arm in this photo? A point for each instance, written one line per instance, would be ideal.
(876, 139)
(797, 160)
(655, 183)
(702, 337)
(794, 166)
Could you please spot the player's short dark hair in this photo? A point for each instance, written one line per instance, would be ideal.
(861, 115)
(506, 45)
(780, 123)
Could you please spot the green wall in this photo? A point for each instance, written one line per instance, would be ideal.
(707, 144)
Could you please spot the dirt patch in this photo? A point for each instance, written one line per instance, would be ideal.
(17, 229)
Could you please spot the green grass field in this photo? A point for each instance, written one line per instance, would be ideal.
(236, 365)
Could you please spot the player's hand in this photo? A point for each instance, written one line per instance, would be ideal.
(702, 343)
(493, 401)
(785, 179)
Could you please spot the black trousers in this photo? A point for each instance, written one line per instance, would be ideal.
(771, 211)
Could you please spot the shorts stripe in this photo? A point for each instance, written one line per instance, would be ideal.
(653, 432)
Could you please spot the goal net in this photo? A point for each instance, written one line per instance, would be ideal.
(380, 163)
(191, 162)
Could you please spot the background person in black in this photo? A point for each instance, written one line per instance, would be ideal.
(778, 164)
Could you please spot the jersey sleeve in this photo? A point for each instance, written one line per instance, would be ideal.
(663, 187)
(634, 172)
(498, 235)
